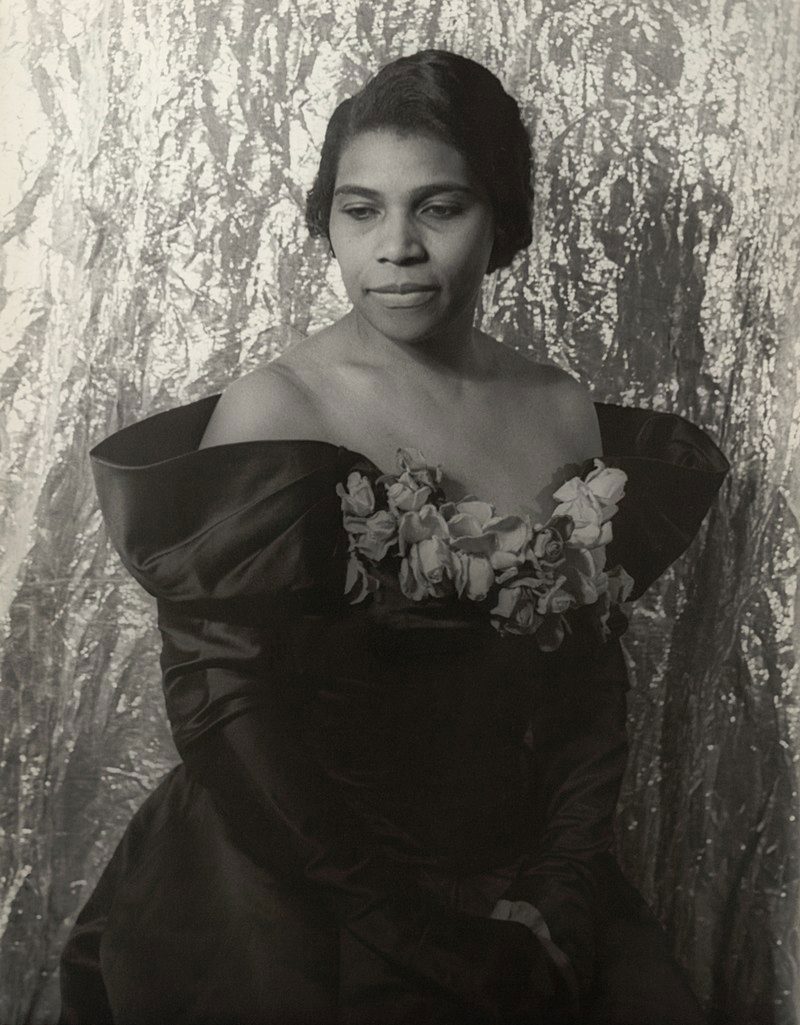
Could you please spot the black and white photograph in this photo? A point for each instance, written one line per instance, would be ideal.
(399, 537)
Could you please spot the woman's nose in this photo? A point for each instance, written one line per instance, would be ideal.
(400, 241)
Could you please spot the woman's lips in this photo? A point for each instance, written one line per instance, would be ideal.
(404, 296)
(405, 287)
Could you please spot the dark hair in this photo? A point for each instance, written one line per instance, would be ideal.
(451, 98)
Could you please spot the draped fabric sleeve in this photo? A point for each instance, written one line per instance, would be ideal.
(233, 541)
(580, 746)
(674, 472)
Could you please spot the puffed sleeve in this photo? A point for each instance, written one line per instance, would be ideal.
(674, 472)
(231, 541)
(579, 738)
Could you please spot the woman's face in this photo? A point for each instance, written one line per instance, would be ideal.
(412, 232)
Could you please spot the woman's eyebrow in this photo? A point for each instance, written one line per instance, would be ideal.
(419, 193)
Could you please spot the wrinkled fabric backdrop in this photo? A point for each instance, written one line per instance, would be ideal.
(154, 249)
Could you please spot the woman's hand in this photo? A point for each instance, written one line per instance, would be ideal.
(504, 971)
(529, 915)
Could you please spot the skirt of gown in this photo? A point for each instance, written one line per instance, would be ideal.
(184, 928)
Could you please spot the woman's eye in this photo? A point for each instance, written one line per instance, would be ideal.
(359, 213)
(438, 211)
(442, 211)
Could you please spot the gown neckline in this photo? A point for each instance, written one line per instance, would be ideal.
(98, 453)
(171, 507)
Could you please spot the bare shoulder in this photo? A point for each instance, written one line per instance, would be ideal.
(573, 413)
(269, 403)
(562, 399)
(570, 394)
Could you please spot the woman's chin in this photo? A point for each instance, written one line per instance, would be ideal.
(408, 325)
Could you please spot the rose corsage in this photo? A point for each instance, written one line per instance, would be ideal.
(527, 575)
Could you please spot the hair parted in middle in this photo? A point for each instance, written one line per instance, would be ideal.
(458, 101)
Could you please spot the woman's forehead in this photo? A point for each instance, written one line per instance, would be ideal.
(386, 160)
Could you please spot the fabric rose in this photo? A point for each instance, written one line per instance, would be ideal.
(579, 503)
(608, 485)
(515, 611)
(620, 585)
(554, 599)
(416, 483)
(420, 526)
(470, 507)
(358, 499)
(413, 462)
(582, 579)
(475, 530)
(512, 535)
(358, 583)
(407, 494)
(429, 570)
(530, 607)
(474, 576)
(549, 595)
(468, 517)
(591, 503)
(374, 536)
(548, 548)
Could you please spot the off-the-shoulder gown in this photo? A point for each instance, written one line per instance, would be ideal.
(361, 784)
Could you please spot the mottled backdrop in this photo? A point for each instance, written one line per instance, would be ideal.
(156, 159)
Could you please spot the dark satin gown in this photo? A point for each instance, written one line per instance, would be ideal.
(360, 784)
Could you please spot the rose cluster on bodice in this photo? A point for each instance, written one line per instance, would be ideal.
(527, 575)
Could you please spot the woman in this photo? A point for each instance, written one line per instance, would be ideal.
(401, 755)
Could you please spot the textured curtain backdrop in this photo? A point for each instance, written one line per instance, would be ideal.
(152, 195)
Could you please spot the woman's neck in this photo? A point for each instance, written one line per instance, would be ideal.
(454, 353)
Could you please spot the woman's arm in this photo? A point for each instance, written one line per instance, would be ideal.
(580, 752)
